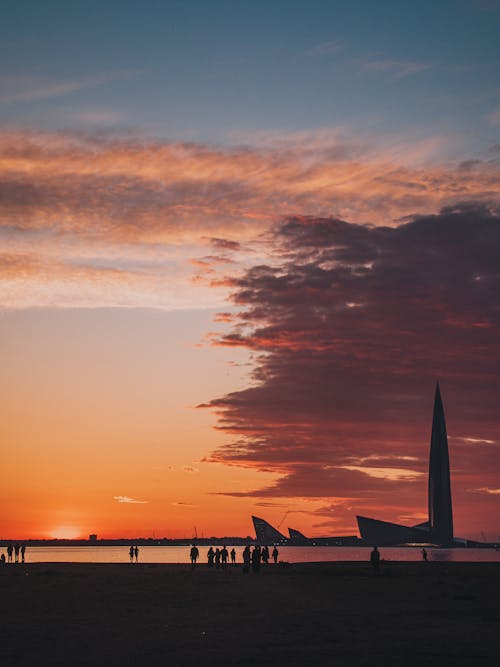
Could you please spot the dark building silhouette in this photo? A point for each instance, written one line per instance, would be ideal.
(440, 510)
(265, 533)
(439, 528)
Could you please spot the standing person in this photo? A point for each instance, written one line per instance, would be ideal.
(194, 553)
(224, 555)
(131, 552)
(10, 549)
(210, 557)
(233, 556)
(246, 559)
(424, 555)
(265, 555)
(217, 558)
(23, 551)
(256, 555)
(275, 555)
(375, 560)
(16, 552)
(136, 553)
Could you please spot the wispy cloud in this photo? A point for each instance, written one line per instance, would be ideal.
(398, 69)
(487, 490)
(28, 88)
(190, 470)
(326, 48)
(127, 499)
(494, 117)
(116, 220)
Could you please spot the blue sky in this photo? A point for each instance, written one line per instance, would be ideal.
(224, 70)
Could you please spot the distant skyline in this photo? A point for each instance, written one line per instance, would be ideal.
(240, 242)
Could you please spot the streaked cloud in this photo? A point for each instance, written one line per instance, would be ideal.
(29, 88)
(326, 48)
(398, 69)
(117, 220)
(127, 499)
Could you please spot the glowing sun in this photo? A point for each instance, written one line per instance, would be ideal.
(65, 533)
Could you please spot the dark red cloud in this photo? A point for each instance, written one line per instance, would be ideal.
(352, 326)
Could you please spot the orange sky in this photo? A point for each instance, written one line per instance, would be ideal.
(117, 256)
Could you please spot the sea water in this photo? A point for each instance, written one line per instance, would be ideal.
(180, 554)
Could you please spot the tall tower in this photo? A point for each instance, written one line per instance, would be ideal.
(440, 510)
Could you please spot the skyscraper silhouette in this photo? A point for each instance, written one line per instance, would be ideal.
(439, 527)
(440, 509)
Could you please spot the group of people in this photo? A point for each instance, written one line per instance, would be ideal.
(219, 558)
(17, 550)
(134, 553)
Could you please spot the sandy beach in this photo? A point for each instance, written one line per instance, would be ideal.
(307, 614)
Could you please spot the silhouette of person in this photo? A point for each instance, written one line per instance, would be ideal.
(194, 553)
(265, 555)
(2, 559)
(375, 560)
(233, 555)
(10, 549)
(224, 556)
(275, 555)
(424, 555)
(217, 558)
(136, 553)
(246, 559)
(210, 557)
(256, 556)
(16, 552)
(23, 551)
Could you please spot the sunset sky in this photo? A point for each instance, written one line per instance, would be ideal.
(239, 244)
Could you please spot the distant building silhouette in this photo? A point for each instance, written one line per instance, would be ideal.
(439, 528)
(440, 510)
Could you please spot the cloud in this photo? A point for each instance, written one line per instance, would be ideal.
(127, 499)
(190, 470)
(30, 88)
(485, 489)
(398, 69)
(341, 400)
(326, 48)
(179, 503)
(494, 117)
(147, 208)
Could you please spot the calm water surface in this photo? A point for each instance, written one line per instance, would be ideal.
(161, 554)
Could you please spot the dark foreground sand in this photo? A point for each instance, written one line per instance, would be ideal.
(308, 614)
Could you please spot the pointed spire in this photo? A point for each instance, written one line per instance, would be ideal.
(440, 507)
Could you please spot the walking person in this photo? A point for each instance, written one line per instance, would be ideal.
(424, 555)
(131, 553)
(233, 556)
(136, 553)
(275, 555)
(23, 551)
(10, 549)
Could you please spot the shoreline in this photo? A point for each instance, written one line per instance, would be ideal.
(155, 614)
